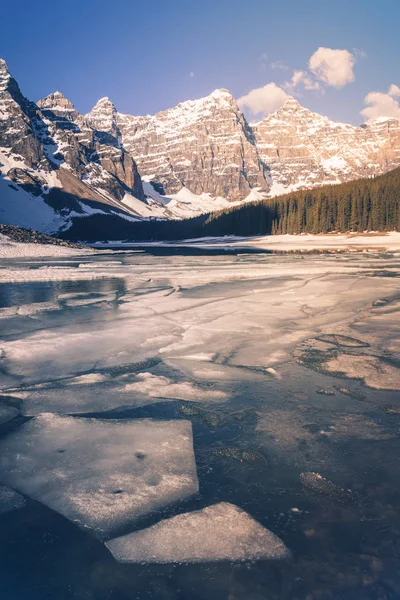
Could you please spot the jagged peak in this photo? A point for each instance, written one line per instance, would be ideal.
(379, 121)
(103, 104)
(104, 100)
(221, 93)
(292, 104)
(5, 75)
(56, 100)
(3, 65)
(292, 109)
(220, 96)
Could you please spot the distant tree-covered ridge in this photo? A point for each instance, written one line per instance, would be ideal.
(361, 205)
(371, 204)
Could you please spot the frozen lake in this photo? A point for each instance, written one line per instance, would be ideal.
(200, 425)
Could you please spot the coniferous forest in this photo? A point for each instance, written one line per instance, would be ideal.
(371, 204)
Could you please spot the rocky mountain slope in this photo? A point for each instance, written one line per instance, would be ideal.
(207, 146)
(303, 149)
(204, 145)
(54, 165)
(200, 156)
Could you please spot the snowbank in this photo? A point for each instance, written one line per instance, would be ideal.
(10, 249)
(283, 243)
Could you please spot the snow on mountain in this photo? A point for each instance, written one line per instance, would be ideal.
(303, 149)
(54, 166)
(197, 157)
(205, 146)
(95, 156)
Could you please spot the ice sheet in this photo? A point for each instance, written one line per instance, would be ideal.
(7, 413)
(219, 532)
(213, 321)
(10, 500)
(163, 387)
(101, 474)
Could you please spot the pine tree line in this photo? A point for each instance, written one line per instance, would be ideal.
(361, 205)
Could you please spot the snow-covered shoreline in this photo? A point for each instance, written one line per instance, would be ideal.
(280, 243)
(11, 249)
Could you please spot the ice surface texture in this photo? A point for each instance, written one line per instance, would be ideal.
(100, 474)
(10, 500)
(219, 532)
(7, 413)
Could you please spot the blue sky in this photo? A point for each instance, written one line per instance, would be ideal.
(147, 56)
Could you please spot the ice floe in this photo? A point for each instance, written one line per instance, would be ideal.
(10, 500)
(163, 387)
(219, 532)
(7, 413)
(101, 474)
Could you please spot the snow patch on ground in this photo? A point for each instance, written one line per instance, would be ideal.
(11, 249)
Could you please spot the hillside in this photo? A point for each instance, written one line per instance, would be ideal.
(361, 205)
(200, 156)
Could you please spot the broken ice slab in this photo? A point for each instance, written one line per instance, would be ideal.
(219, 532)
(10, 500)
(101, 474)
(7, 413)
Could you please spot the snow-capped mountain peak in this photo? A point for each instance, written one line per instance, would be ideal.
(103, 117)
(203, 145)
(60, 105)
(304, 149)
(292, 104)
(198, 156)
(4, 75)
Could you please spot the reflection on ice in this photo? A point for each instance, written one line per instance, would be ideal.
(100, 474)
(162, 387)
(219, 532)
(283, 364)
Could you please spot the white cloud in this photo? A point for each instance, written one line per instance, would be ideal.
(263, 100)
(263, 61)
(382, 105)
(278, 64)
(301, 78)
(359, 52)
(333, 67)
(394, 90)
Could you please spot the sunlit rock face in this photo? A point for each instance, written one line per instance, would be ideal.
(304, 149)
(197, 157)
(18, 118)
(205, 145)
(95, 156)
(54, 165)
(52, 133)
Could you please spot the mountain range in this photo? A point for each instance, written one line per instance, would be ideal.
(57, 165)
